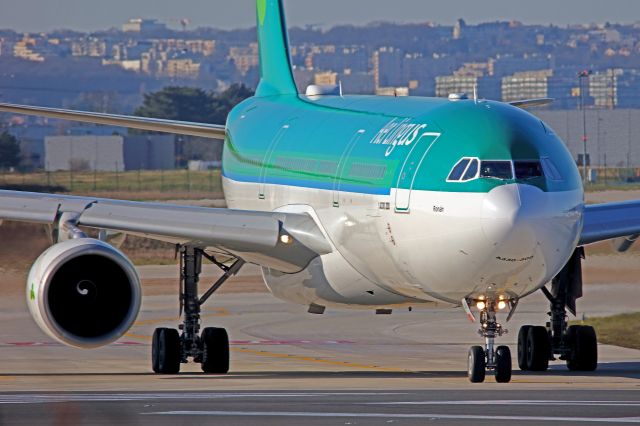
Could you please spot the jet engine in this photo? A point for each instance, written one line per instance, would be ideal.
(84, 293)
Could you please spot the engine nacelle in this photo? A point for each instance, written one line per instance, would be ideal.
(84, 293)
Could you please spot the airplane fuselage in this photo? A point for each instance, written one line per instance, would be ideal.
(376, 174)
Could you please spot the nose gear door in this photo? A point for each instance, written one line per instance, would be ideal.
(410, 168)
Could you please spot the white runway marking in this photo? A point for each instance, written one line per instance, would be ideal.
(633, 420)
(516, 402)
(110, 397)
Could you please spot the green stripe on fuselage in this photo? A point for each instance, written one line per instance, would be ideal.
(328, 142)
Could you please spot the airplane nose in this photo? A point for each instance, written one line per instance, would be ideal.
(510, 215)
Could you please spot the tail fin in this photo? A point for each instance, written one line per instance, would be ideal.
(276, 77)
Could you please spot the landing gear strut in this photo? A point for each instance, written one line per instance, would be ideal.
(211, 348)
(481, 359)
(576, 344)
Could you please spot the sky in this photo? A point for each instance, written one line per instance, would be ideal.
(90, 15)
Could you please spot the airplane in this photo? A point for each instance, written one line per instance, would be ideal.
(343, 201)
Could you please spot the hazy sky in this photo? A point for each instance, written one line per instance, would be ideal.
(87, 15)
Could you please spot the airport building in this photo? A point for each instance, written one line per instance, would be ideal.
(612, 135)
(109, 153)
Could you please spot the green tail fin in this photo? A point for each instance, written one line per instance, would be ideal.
(276, 77)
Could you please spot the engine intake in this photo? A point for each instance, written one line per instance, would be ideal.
(84, 293)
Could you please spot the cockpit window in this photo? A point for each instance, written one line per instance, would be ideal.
(496, 170)
(528, 169)
(472, 168)
(458, 169)
(550, 169)
(472, 171)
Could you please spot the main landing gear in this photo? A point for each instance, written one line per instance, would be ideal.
(576, 344)
(497, 360)
(211, 347)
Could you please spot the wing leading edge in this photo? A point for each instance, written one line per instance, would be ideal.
(282, 241)
(204, 130)
(609, 221)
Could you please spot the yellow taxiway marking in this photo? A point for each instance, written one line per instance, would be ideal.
(317, 360)
(218, 312)
(223, 312)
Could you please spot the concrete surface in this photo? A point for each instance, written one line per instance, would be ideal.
(394, 368)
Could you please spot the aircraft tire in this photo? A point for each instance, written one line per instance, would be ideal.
(165, 351)
(538, 349)
(522, 347)
(477, 365)
(215, 351)
(584, 348)
(503, 364)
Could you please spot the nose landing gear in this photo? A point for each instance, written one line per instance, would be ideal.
(489, 358)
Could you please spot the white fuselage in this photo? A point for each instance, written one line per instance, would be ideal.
(448, 246)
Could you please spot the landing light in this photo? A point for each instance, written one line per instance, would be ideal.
(286, 239)
(481, 305)
(502, 304)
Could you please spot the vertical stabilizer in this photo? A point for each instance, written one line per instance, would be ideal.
(276, 77)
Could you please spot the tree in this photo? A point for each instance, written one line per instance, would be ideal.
(224, 102)
(195, 105)
(177, 103)
(9, 151)
(191, 104)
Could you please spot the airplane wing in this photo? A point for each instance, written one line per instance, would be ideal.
(204, 130)
(282, 241)
(610, 221)
(531, 103)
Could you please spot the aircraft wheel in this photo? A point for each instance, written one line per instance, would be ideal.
(503, 364)
(215, 348)
(538, 349)
(477, 364)
(584, 348)
(522, 347)
(165, 351)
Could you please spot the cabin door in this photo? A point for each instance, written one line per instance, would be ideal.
(341, 170)
(412, 164)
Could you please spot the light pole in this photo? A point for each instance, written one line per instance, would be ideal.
(581, 76)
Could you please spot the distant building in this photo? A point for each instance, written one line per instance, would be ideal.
(149, 152)
(612, 134)
(78, 153)
(245, 58)
(109, 153)
(447, 84)
(357, 83)
(139, 25)
(603, 88)
(27, 49)
(126, 64)
(526, 85)
(178, 68)
(325, 78)
(92, 47)
(458, 29)
(392, 91)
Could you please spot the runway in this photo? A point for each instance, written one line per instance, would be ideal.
(321, 408)
(289, 367)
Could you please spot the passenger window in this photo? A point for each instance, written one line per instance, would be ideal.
(472, 171)
(458, 169)
(496, 170)
(550, 169)
(528, 169)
